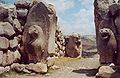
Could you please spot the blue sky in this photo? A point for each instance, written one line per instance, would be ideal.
(74, 15)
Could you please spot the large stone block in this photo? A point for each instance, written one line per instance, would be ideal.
(73, 45)
(106, 16)
(6, 29)
(39, 32)
(4, 43)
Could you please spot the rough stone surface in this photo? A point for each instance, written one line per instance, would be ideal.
(22, 13)
(1, 57)
(22, 4)
(14, 43)
(6, 29)
(105, 72)
(8, 58)
(41, 24)
(107, 45)
(59, 43)
(38, 68)
(4, 43)
(106, 16)
(4, 70)
(73, 45)
(17, 56)
(3, 13)
(17, 67)
(50, 61)
(17, 26)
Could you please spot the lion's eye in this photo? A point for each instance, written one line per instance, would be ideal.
(101, 30)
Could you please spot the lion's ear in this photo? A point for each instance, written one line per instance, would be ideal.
(100, 30)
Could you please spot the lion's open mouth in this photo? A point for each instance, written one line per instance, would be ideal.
(104, 35)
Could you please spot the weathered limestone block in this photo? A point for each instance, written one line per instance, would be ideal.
(1, 57)
(10, 57)
(17, 67)
(6, 29)
(4, 43)
(73, 46)
(17, 26)
(22, 4)
(9, 20)
(13, 43)
(37, 68)
(8, 12)
(107, 45)
(4, 63)
(4, 13)
(17, 56)
(11, 9)
(4, 70)
(105, 72)
(39, 32)
(22, 13)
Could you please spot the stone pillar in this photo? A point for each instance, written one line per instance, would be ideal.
(103, 19)
(39, 32)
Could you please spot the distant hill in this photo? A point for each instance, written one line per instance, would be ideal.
(89, 42)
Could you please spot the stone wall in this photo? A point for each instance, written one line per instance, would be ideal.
(29, 33)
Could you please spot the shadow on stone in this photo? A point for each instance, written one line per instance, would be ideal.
(115, 75)
(88, 72)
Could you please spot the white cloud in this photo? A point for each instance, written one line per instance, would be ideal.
(84, 20)
(62, 5)
(88, 4)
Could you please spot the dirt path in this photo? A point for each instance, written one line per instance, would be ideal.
(69, 68)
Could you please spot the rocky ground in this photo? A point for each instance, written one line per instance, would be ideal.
(68, 68)
(85, 67)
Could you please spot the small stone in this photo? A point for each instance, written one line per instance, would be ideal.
(4, 13)
(50, 61)
(54, 67)
(47, 74)
(10, 57)
(17, 25)
(17, 67)
(1, 57)
(22, 13)
(2, 70)
(17, 56)
(105, 72)
(32, 74)
(6, 29)
(26, 71)
(14, 43)
(7, 68)
(4, 43)
(37, 68)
